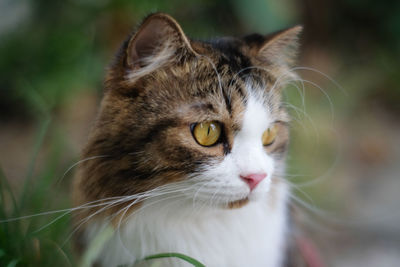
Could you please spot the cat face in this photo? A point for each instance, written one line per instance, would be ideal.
(246, 171)
(203, 117)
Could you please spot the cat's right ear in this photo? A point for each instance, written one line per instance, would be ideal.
(158, 40)
(278, 49)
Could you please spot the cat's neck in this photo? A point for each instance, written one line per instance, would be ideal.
(204, 233)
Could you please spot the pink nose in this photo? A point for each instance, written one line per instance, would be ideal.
(253, 179)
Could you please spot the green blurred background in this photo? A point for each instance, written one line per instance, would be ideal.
(345, 152)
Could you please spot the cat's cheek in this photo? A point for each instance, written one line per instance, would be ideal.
(218, 180)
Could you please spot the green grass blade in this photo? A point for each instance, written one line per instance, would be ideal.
(38, 145)
(192, 261)
(96, 246)
(6, 188)
(13, 263)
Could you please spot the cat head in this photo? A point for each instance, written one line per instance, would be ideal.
(204, 118)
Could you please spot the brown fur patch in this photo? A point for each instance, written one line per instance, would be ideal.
(141, 138)
(238, 203)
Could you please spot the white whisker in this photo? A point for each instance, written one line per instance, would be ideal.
(79, 162)
(324, 75)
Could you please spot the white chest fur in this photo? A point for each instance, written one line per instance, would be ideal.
(250, 236)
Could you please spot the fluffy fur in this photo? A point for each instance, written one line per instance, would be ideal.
(154, 184)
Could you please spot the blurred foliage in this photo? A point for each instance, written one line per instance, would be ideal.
(27, 237)
(58, 48)
(366, 37)
(61, 47)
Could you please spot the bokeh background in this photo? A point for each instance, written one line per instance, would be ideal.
(344, 157)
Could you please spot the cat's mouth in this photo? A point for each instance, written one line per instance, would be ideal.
(238, 203)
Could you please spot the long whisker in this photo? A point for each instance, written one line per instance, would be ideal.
(106, 204)
(325, 93)
(85, 220)
(301, 92)
(142, 196)
(298, 188)
(215, 70)
(247, 68)
(77, 163)
(329, 171)
(125, 210)
(306, 115)
(343, 90)
(84, 206)
(136, 198)
(198, 191)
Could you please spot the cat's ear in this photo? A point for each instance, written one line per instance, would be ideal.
(158, 39)
(279, 49)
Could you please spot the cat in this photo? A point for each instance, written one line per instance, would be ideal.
(187, 154)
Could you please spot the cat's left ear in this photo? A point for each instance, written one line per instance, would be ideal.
(279, 49)
(158, 40)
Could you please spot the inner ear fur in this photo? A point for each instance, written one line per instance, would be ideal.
(159, 37)
(279, 48)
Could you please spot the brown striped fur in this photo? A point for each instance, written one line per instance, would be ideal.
(160, 83)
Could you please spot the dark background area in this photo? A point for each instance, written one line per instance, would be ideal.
(345, 151)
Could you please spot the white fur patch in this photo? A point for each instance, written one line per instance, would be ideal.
(220, 182)
(192, 222)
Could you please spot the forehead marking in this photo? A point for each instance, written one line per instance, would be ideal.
(228, 102)
(256, 118)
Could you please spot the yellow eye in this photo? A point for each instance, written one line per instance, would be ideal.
(207, 133)
(269, 135)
